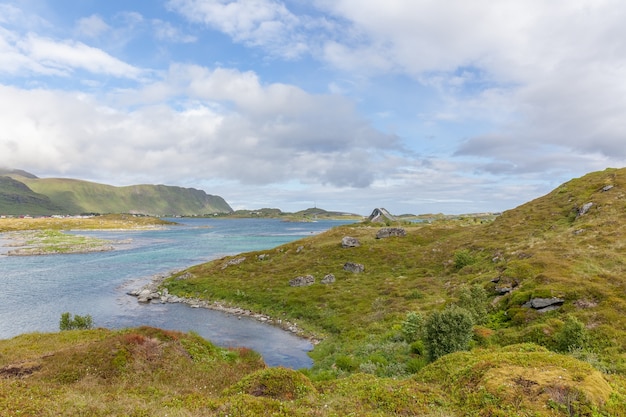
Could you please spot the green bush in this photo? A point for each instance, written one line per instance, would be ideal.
(571, 336)
(474, 300)
(447, 331)
(463, 258)
(412, 326)
(76, 323)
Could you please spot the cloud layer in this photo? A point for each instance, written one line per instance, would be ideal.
(297, 100)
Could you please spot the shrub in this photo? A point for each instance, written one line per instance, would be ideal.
(412, 326)
(474, 300)
(463, 258)
(571, 336)
(76, 323)
(447, 331)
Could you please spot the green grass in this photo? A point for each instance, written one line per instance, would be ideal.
(363, 364)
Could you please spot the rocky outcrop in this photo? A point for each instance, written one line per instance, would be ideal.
(350, 242)
(543, 305)
(389, 232)
(302, 281)
(353, 267)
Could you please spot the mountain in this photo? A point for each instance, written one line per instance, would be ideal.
(72, 196)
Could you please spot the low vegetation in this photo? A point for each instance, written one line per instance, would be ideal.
(380, 350)
(104, 222)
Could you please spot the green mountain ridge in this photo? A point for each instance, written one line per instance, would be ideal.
(47, 196)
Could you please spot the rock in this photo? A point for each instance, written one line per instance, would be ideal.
(606, 188)
(146, 295)
(184, 276)
(234, 261)
(390, 231)
(544, 304)
(328, 279)
(584, 209)
(353, 267)
(263, 257)
(349, 242)
(299, 249)
(302, 281)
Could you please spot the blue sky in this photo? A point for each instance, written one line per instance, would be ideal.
(417, 106)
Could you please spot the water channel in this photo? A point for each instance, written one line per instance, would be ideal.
(36, 290)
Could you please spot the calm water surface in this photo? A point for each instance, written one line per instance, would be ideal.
(35, 290)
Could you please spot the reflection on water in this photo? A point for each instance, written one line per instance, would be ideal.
(36, 290)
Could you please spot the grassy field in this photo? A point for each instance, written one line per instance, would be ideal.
(570, 361)
(110, 221)
(45, 235)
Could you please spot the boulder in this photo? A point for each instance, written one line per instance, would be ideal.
(349, 242)
(585, 208)
(544, 304)
(389, 232)
(353, 267)
(302, 281)
(328, 279)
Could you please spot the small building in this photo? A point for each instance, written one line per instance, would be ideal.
(381, 215)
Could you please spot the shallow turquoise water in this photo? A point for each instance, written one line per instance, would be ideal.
(35, 290)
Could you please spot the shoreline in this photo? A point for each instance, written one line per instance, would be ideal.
(151, 292)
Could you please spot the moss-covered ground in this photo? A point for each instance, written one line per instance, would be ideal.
(570, 361)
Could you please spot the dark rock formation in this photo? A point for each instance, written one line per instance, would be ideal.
(544, 304)
(353, 267)
(349, 242)
(389, 232)
(302, 281)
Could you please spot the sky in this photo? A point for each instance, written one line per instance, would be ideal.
(417, 106)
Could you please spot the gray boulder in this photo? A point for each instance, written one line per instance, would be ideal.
(543, 305)
(349, 242)
(389, 232)
(585, 208)
(353, 267)
(302, 281)
(328, 279)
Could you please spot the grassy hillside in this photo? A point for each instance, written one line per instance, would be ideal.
(17, 198)
(76, 196)
(378, 329)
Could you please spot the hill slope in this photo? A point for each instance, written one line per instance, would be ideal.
(17, 198)
(376, 326)
(71, 196)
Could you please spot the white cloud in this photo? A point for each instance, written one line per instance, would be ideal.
(167, 32)
(221, 124)
(93, 26)
(265, 23)
(70, 55)
(21, 55)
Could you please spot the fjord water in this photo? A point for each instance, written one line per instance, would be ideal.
(36, 290)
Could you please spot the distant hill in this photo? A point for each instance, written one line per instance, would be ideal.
(24, 193)
(17, 198)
